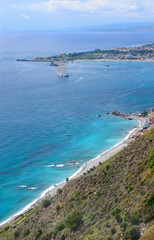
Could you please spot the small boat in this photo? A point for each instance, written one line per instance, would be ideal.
(62, 71)
(68, 134)
(107, 65)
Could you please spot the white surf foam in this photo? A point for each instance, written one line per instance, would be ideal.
(60, 165)
(32, 188)
(52, 165)
(23, 186)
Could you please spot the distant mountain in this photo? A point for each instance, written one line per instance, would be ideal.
(127, 27)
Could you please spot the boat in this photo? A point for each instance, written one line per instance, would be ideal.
(62, 71)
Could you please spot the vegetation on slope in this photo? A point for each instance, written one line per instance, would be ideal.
(139, 52)
(113, 201)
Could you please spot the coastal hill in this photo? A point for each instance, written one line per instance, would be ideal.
(110, 202)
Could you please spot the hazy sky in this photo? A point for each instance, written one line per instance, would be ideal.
(23, 15)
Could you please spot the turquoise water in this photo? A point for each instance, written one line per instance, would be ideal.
(38, 109)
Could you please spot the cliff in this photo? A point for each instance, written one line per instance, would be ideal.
(111, 202)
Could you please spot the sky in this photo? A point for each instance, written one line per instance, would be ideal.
(38, 15)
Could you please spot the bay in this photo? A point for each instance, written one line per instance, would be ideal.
(38, 109)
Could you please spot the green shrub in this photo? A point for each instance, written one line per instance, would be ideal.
(26, 233)
(104, 210)
(113, 231)
(16, 233)
(130, 189)
(57, 208)
(38, 234)
(99, 193)
(151, 159)
(147, 218)
(150, 201)
(107, 224)
(62, 237)
(118, 217)
(123, 226)
(126, 218)
(132, 233)
(60, 226)
(67, 179)
(117, 210)
(6, 228)
(107, 167)
(46, 203)
(134, 220)
(74, 220)
(91, 231)
(144, 113)
(92, 216)
(105, 180)
(108, 238)
(91, 169)
(59, 190)
(74, 196)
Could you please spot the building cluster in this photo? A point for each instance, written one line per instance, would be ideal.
(139, 52)
(132, 55)
(151, 116)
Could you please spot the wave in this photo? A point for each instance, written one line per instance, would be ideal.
(60, 165)
(57, 165)
(73, 163)
(52, 165)
(32, 188)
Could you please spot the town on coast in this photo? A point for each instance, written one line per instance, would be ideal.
(136, 53)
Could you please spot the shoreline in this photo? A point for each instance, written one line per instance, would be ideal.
(88, 60)
(51, 191)
(108, 60)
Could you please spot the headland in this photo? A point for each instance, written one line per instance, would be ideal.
(143, 53)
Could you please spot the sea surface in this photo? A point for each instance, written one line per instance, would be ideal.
(48, 124)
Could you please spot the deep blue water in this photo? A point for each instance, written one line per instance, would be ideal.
(38, 109)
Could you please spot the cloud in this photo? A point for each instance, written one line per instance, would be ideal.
(91, 6)
(25, 16)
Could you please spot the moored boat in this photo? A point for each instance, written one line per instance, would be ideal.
(62, 71)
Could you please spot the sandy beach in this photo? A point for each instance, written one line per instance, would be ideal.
(50, 192)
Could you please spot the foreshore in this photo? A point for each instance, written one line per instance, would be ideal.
(86, 60)
(51, 192)
(111, 60)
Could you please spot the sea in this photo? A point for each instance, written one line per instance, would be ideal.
(48, 124)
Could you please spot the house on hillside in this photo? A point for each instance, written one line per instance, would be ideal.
(151, 116)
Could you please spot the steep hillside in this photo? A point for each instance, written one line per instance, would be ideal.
(113, 201)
